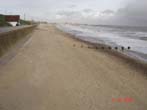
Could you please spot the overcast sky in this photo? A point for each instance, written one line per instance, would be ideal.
(121, 12)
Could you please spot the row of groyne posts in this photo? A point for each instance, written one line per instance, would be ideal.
(104, 47)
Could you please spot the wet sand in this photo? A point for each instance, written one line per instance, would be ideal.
(52, 71)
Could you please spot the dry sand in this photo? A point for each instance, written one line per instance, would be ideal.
(49, 73)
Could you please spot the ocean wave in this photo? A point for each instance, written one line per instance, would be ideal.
(111, 36)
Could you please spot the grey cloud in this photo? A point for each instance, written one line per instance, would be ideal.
(72, 6)
(81, 11)
(87, 10)
(69, 13)
(108, 11)
(134, 13)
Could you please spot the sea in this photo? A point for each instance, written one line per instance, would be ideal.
(134, 37)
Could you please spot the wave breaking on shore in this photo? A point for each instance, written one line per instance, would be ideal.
(114, 36)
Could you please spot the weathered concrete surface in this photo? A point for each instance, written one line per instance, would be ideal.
(8, 29)
(11, 35)
(48, 73)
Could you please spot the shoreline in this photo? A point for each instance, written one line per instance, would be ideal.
(49, 72)
(135, 63)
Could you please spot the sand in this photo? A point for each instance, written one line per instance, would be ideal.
(52, 72)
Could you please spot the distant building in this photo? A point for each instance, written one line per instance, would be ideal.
(5, 19)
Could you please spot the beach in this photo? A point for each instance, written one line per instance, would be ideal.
(112, 36)
(54, 71)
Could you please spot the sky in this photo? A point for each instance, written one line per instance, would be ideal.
(111, 12)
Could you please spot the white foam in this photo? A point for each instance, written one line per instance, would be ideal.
(109, 36)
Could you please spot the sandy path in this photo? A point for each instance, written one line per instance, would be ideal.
(48, 73)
